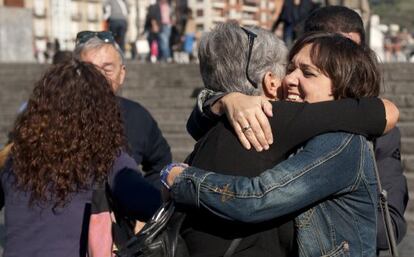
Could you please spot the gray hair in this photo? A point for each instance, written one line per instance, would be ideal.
(96, 43)
(223, 55)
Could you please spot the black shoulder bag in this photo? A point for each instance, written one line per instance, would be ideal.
(160, 237)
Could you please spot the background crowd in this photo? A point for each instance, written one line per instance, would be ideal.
(170, 32)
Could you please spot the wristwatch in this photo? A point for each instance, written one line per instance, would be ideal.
(166, 171)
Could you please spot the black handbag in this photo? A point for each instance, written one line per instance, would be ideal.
(160, 237)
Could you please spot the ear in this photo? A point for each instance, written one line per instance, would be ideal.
(271, 85)
(122, 75)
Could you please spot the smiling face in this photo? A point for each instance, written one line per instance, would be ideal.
(306, 82)
(107, 59)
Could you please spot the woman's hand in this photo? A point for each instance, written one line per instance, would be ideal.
(170, 172)
(247, 115)
(168, 175)
(177, 170)
(392, 114)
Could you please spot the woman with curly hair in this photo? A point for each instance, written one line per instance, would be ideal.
(69, 139)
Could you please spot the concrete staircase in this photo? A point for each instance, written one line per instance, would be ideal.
(167, 91)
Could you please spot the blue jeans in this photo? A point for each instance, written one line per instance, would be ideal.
(119, 28)
(164, 37)
(331, 183)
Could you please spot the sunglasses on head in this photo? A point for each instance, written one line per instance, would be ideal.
(250, 36)
(84, 36)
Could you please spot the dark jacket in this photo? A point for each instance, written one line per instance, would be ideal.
(387, 153)
(208, 235)
(295, 14)
(154, 13)
(146, 144)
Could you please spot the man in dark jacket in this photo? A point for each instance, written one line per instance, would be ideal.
(147, 145)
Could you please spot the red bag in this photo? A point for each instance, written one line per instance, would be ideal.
(154, 48)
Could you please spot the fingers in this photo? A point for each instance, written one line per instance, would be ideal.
(267, 108)
(248, 112)
(255, 135)
(265, 130)
(249, 131)
(240, 134)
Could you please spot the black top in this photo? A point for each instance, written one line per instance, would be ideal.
(146, 144)
(292, 124)
(40, 230)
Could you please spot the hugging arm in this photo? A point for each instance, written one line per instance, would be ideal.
(131, 192)
(135, 195)
(203, 118)
(290, 186)
(295, 123)
(242, 110)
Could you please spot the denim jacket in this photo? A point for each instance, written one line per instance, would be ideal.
(331, 184)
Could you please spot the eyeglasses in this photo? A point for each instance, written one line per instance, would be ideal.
(250, 36)
(84, 36)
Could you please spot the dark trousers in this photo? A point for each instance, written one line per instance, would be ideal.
(119, 27)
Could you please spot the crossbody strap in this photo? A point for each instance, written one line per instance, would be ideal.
(232, 248)
(389, 229)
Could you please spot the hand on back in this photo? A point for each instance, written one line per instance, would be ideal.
(249, 117)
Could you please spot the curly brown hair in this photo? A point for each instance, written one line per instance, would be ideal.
(69, 135)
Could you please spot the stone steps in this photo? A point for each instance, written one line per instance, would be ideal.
(407, 146)
(406, 128)
(406, 114)
(408, 163)
(180, 140)
(409, 213)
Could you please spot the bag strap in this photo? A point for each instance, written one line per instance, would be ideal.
(389, 229)
(232, 248)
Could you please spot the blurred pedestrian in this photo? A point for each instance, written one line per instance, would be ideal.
(159, 20)
(116, 13)
(152, 27)
(276, 13)
(294, 13)
(189, 35)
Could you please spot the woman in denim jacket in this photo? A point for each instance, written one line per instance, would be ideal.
(330, 183)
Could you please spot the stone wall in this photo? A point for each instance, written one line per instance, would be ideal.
(16, 35)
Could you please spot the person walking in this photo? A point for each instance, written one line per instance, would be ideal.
(116, 14)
